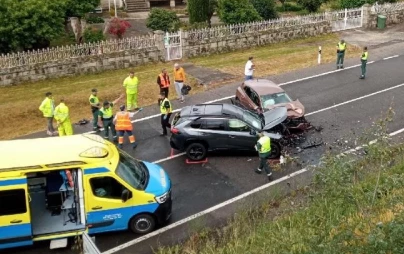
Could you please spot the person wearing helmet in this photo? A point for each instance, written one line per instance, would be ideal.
(123, 124)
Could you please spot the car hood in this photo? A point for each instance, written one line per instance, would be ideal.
(294, 108)
(159, 182)
(274, 117)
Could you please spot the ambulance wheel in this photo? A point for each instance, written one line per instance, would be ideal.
(142, 224)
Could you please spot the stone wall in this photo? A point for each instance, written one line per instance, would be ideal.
(394, 14)
(212, 45)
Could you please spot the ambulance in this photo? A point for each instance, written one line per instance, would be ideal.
(59, 187)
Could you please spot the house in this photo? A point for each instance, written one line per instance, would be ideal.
(140, 5)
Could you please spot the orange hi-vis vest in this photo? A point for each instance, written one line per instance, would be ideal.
(123, 122)
(164, 82)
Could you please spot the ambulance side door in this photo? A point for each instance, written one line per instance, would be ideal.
(15, 217)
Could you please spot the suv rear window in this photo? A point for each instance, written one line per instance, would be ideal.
(176, 119)
(197, 124)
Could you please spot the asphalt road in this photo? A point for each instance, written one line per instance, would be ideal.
(200, 186)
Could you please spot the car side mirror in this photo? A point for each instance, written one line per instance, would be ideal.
(253, 132)
(126, 195)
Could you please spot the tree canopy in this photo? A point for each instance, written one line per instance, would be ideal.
(237, 11)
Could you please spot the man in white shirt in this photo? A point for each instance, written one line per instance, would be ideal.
(249, 69)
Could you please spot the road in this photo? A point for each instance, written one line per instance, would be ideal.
(343, 105)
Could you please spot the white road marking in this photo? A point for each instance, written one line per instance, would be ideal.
(169, 158)
(221, 205)
(390, 57)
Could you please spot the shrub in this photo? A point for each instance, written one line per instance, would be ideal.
(118, 27)
(289, 7)
(93, 35)
(237, 11)
(201, 10)
(94, 20)
(161, 19)
(310, 5)
(265, 8)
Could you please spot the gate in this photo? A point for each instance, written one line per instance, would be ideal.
(173, 46)
(346, 19)
(89, 245)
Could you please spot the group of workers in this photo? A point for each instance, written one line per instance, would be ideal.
(341, 48)
(103, 115)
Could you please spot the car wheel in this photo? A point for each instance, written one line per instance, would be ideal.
(142, 224)
(196, 151)
(275, 150)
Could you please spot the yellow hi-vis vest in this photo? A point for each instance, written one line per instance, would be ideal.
(131, 85)
(47, 107)
(106, 112)
(365, 56)
(163, 110)
(95, 99)
(62, 113)
(341, 46)
(265, 144)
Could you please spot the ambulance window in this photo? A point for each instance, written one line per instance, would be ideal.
(15, 200)
(106, 187)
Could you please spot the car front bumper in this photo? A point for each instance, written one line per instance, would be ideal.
(163, 212)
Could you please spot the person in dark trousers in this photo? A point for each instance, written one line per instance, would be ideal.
(364, 60)
(95, 108)
(341, 47)
(166, 110)
(106, 116)
(263, 147)
(163, 80)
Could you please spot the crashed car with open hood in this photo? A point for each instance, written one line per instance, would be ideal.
(261, 95)
(201, 128)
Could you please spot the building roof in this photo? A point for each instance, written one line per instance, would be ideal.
(31, 153)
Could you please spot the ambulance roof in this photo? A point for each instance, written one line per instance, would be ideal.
(53, 151)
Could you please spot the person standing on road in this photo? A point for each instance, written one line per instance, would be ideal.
(341, 47)
(47, 108)
(62, 118)
(364, 60)
(123, 124)
(106, 117)
(163, 80)
(95, 108)
(179, 79)
(263, 147)
(166, 110)
(249, 69)
(131, 83)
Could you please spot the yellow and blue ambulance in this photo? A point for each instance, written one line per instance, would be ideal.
(59, 187)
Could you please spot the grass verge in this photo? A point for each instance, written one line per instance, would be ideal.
(19, 104)
(355, 205)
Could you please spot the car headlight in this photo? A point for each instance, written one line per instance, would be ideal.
(163, 198)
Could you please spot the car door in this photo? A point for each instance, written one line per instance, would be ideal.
(15, 216)
(105, 209)
(213, 131)
(241, 135)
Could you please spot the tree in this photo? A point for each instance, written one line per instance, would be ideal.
(118, 27)
(201, 10)
(237, 11)
(310, 5)
(265, 8)
(161, 19)
(29, 24)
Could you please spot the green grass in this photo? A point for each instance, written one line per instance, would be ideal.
(352, 207)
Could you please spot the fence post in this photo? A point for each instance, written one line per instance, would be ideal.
(319, 55)
(345, 17)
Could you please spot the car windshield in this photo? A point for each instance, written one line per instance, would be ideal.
(253, 120)
(274, 99)
(132, 171)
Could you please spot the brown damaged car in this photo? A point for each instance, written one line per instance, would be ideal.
(260, 95)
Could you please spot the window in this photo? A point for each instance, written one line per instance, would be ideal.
(237, 125)
(253, 120)
(214, 124)
(106, 187)
(132, 171)
(273, 99)
(15, 200)
(255, 99)
(196, 124)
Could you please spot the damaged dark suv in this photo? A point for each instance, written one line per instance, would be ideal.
(201, 128)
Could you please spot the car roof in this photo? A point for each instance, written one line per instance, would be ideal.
(212, 110)
(264, 86)
(39, 152)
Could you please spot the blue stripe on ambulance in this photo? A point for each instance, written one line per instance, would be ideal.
(15, 235)
(159, 182)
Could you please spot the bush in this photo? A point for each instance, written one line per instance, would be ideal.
(265, 8)
(289, 7)
(237, 11)
(161, 19)
(311, 5)
(118, 27)
(95, 20)
(93, 35)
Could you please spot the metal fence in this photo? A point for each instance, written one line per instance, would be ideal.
(75, 51)
(346, 19)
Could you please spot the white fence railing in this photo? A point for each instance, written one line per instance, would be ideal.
(75, 51)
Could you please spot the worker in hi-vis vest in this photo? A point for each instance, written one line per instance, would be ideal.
(62, 118)
(123, 125)
(131, 83)
(341, 47)
(163, 80)
(95, 108)
(263, 147)
(106, 117)
(166, 110)
(47, 108)
(364, 60)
